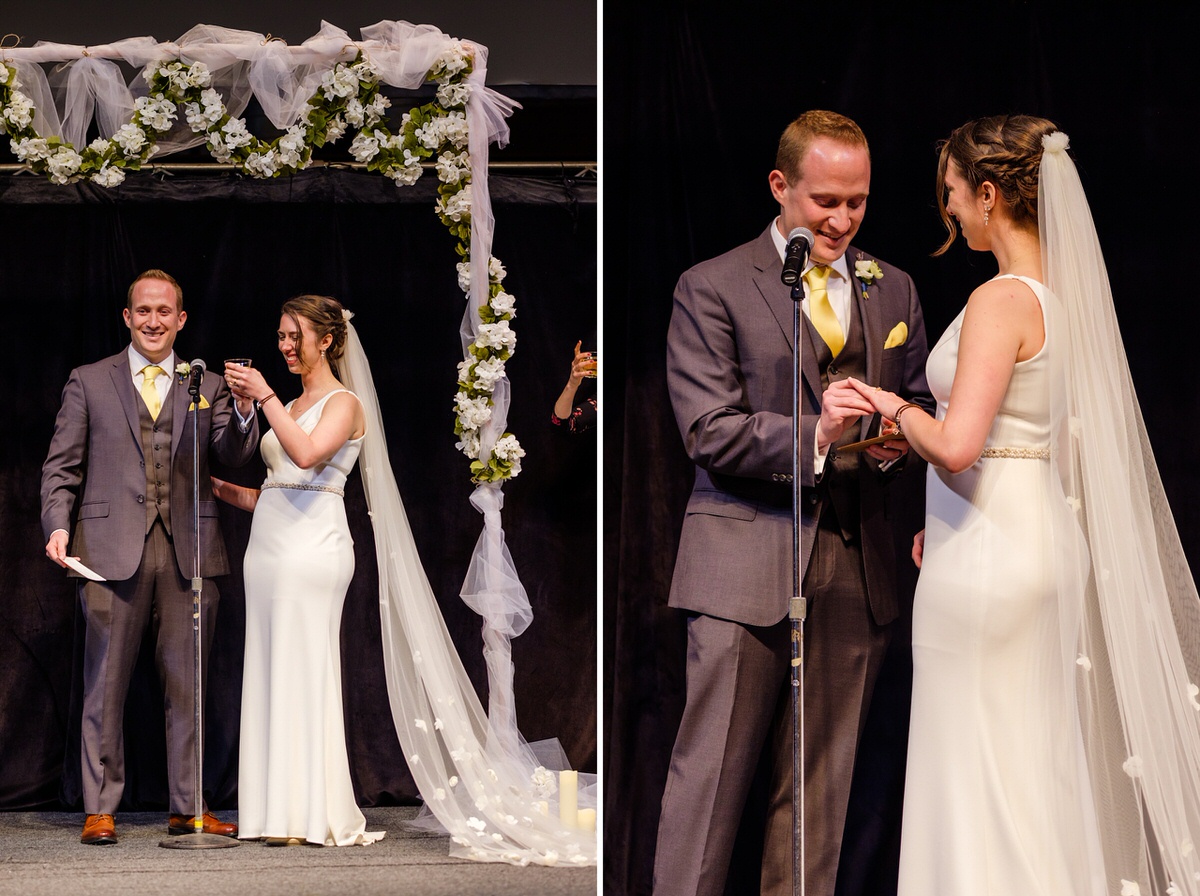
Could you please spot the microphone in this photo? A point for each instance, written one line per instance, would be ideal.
(197, 376)
(800, 243)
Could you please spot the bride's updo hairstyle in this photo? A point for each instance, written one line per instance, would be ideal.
(325, 315)
(1003, 149)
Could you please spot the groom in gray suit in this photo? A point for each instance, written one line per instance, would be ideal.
(120, 467)
(729, 371)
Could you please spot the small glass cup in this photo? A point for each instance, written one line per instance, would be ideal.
(595, 359)
(241, 362)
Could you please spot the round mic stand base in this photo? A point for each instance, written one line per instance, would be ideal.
(199, 840)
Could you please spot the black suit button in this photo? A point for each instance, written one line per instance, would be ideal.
(812, 499)
(141, 499)
(833, 371)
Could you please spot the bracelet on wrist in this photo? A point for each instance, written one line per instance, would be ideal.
(263, 401)
(904, 407)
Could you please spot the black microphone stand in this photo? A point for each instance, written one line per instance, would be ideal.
(797, 606)
(197, 839)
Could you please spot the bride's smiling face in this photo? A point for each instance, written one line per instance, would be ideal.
(966, 207)
(298, 343)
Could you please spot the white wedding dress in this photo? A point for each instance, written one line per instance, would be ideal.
(294, 775)
(994, 794)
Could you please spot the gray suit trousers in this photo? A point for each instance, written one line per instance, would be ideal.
(117, 614)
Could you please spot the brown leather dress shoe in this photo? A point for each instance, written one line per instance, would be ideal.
(99, 830)
(186, 824)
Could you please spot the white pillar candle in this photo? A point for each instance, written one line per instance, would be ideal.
(587, 819)
(568, 797)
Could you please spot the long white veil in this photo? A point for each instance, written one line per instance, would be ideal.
(480, 780)
(1129, 607)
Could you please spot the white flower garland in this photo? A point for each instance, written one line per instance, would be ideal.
(348, 97)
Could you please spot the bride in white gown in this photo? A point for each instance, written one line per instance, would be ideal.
(1054, 745)
(294, 772)
(481, 781)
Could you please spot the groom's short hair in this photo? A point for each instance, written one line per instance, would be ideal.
(155, 274)
(798, 137)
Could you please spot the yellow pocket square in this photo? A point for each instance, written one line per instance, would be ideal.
(898, 336)
(204, 401)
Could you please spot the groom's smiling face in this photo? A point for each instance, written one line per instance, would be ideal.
(829, 197)
(154, 318)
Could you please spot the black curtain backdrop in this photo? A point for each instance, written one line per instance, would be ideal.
(693, 114)
(239, 248)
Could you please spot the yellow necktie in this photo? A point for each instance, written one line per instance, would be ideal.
(820, 312)
(150, 391)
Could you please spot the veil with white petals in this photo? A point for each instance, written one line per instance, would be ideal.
(1128, 602)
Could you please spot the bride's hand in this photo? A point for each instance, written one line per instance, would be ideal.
(918, 548)
(246, 382)
(886, 403)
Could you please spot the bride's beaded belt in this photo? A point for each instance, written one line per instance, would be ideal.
(1019, 453)
(306, 487)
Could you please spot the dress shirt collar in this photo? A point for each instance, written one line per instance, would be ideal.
(840, 266)
(137, 361)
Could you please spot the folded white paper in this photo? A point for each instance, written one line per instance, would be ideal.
(74, 564)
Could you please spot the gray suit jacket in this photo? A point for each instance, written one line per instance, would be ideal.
(729, 372)
(94, 469)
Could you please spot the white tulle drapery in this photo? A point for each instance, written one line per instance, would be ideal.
(494, 793)
(244, 64)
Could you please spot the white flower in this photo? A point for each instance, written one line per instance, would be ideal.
(452, 60)
(1173, 890)
(291, 147)
(551, 857)
(263, 164)
(439, 794)
(1133, 766)
(19, 111)
(364, 71)
(417, 660)
(544, 781)
(473, 412)
(453, 95)
(469, 444)
(414, 759)
(491, 773)
(340, 82)
(355, 113)
(198, 75)
(182, 369)
(218, 147)
(509, 450)
(476, 823)
(420, 725)
(496, 270)
(3, 74)
(455, 207)
(1075, 504)
(335, 130)
(30, 149)
(504, 303)
(1084, 663)
(1193, 692)
(867, 271)
(236, 134)
(488, 372)
(157, 111)
(1130, 888)
(453, 782)
(108, 176)
(458, 756)
(407, 175)
(438, 724)
(452, 168)
(364, 147)
(64, 165)
(498, 336)
(374, 110)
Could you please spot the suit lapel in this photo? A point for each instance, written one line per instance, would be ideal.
(123, 385)
(869, 310)
(779, 299)
(180, 402)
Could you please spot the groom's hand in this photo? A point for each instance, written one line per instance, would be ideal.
(841, 405)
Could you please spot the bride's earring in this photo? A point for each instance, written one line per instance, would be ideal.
(987, 210)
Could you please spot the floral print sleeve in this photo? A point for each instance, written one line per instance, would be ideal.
(583, 417)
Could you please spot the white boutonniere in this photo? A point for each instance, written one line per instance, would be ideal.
(867, 272)
(183, 370)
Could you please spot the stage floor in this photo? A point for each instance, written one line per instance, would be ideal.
(40, 855)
